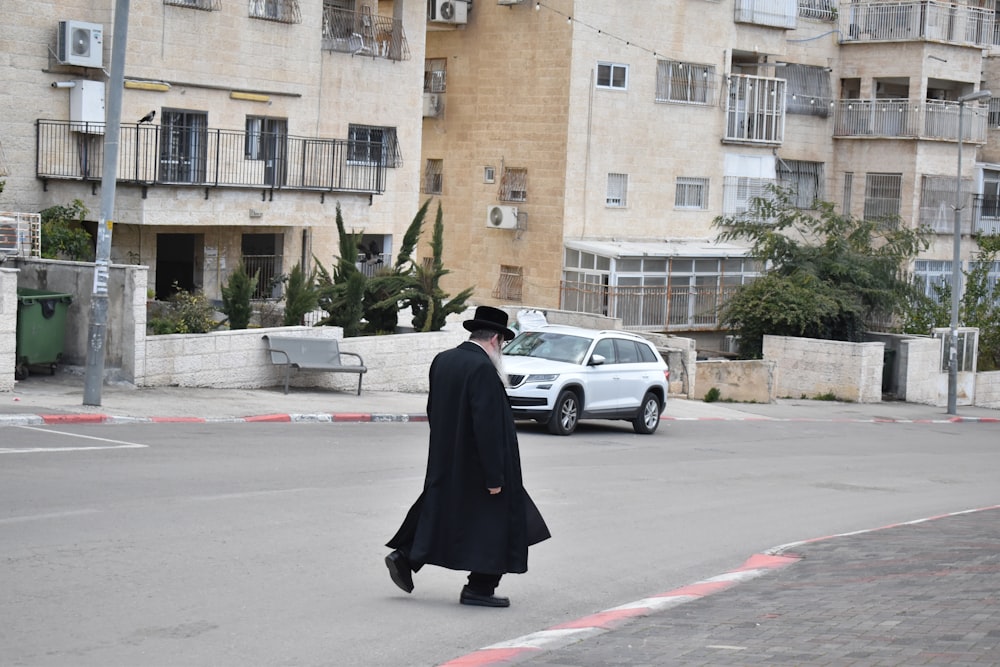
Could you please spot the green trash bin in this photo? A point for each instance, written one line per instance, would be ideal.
(41, 329)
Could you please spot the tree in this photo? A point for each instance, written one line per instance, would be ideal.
(424, 295)
(979, 306)
(301, 295)
(63, 237)
(826, 274)
(236, 295)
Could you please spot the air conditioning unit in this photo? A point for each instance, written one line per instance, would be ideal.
(448, 11)
(81, 44)
(731, 344)
(501, 217)
(433, 105)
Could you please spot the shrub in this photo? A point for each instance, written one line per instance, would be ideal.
(236, 295)
(301, 296)
(184, 312)
(712, 395)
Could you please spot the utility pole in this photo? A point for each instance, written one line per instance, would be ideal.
(97, 334)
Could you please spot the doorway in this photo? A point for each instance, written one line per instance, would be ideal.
(177, 259)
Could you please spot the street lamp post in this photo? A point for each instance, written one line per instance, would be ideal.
(956, 261)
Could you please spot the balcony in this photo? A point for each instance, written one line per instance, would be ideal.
(905, 119)
(773, 13)
(362, 33)
(660, 308)
(755, 110)
(206, 157)
(916, 21)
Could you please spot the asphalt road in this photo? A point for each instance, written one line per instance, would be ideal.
(261, 544)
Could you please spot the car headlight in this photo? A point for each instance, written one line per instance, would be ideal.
(542, 378)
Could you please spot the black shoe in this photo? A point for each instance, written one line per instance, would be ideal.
(399, 571)
(475, 599)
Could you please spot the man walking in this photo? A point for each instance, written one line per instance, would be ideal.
(474, 513)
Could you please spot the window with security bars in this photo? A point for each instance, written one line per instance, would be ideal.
(803, 179)
(739, 192)
(937, 203)
(684, 82)
(989, 211)
(808, 90)
(207, 5)
(691, 193)
(845, 205)
(433, 179)
(435, 75)
(993, 115)
(617, 190)
(282, 11)
(882, 198)
(370, 144)
(513, 185)
(509, 284)
(932, 276)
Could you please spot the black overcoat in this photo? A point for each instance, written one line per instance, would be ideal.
(456, 523)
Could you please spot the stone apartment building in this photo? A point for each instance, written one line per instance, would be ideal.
(268, 113)
(581, 149)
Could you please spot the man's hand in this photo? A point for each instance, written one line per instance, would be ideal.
(495, 491)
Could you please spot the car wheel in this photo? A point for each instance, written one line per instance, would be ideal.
(648, 417)
(566, 414)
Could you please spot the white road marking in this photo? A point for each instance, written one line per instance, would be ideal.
(114, 444)
(53, 515)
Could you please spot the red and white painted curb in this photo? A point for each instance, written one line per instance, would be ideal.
(365, 417)
(564, 634)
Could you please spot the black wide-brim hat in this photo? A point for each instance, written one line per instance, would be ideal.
(491, 319)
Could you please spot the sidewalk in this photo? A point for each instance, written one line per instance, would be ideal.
(44, 398)
(924, 593)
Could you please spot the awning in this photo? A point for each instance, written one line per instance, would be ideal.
(696, 248)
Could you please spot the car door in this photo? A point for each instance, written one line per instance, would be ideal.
(632, 374)
(602, 388)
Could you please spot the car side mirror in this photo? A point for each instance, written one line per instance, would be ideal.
(596, 360)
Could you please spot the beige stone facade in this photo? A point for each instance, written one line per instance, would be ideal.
(630, 156)
(253, 99)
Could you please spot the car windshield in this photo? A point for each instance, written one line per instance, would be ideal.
(549, 345)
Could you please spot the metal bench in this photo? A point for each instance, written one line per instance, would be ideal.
(312, 354)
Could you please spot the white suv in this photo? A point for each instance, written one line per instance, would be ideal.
(558, 375)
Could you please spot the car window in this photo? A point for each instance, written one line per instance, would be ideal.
(627, 352)
(606, 348)
(547, 345)
(646, 353)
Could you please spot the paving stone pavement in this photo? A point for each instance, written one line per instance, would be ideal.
(915, 594)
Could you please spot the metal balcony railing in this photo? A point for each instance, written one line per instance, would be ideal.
(362, 33)
(910, 21)
(755, 109)
(151, 154)
(649, 308)
(903, 118)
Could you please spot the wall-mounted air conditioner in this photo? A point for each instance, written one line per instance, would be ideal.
(86, 107)
(433, 104)
(448, 11)
(501, 217)
(81, 44)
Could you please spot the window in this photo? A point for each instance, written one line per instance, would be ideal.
(739, 193)
(207, 5)
(183, 146)
(489, 175)
(369, 144)
(617, 190)
(611, 75)
(937, 203)
(808, 89)
(882, 197)
(993, 115)
(691, 193)
(266, 139)
(283, 11)
(848, 186)
(755, 109)
(433, 177)
(804, 179)
(510, 283)
(513, 185)
(684, 82)
(435, 75)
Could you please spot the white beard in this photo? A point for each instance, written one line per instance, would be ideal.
(497, 358)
